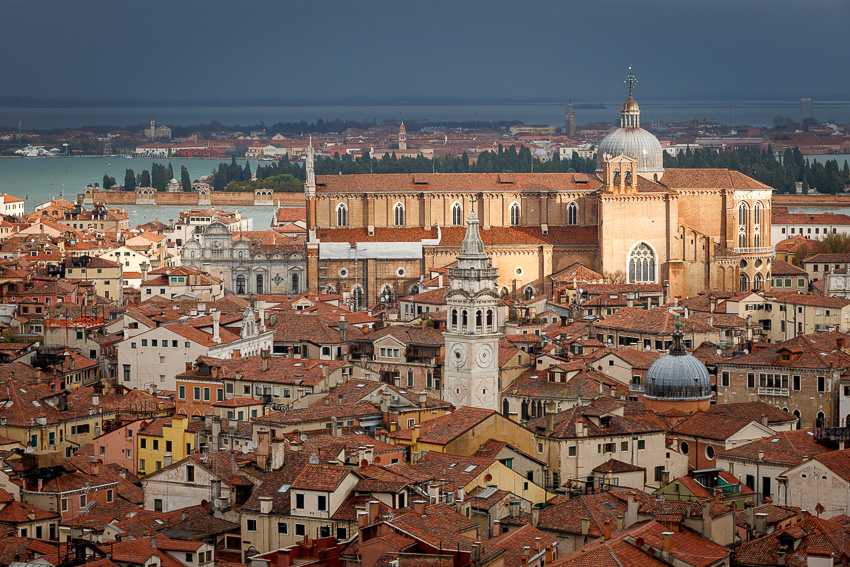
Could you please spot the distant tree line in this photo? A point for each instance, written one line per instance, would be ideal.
(763, 166)
(158, 178)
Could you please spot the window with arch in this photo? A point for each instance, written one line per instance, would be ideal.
(464, 319)
(386, 294)
(757, 281)
(240, 284)
(296, 284)
(528, 293)
(398, 214)
(572, 213)
(642, 264)
(796, 414)
(457, 214)
(743, 211)
(454, 319)
(192, 254)
(744, 282)
(259, 288)
(490, 320)
(757, 225)
(514, 214)
(342, 215)
(479, 319)
(357, 298)
(820, 419)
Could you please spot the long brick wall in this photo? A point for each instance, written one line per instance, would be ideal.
(216, 198)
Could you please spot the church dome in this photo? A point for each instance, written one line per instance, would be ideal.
(635, 143)
(632, 141)
(677, 376)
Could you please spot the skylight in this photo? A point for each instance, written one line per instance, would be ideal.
(284, 488)
(453, 465)
(470, 468)
(774, 440)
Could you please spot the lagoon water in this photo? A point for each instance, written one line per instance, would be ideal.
(38, 180)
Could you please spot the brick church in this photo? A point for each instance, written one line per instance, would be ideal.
(372, 237)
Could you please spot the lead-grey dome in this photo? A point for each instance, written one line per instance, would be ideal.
(677, 376)
(635, 143)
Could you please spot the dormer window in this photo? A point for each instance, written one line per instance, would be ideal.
(785, 357)
(604, 422)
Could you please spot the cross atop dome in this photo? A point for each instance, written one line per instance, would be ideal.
(631, 81)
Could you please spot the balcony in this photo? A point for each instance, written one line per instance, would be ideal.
(782, 392)
(637, 388)
(752, 251)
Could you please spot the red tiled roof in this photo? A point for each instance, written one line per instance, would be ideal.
(446, 428)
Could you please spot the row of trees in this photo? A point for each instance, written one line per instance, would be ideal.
(158, 178)
(762, 165)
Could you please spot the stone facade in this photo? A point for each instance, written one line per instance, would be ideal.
(253, 262)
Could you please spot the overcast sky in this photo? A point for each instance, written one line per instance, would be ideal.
(397, 49)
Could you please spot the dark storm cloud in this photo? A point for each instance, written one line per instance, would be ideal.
(337, 50)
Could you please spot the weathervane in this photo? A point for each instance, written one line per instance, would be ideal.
(630, 80)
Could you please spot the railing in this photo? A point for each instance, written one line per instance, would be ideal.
(635, 387)
(753, 250)
(774, 392)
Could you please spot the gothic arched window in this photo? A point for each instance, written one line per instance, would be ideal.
(514, 214)
(490, 320)
(342, 215)
(757, 281)
(744, 283)
(642, 264)
(572, 213)
(457, 214)
(757, 225)
(742, 225)
(398, 213)
(240, 284)
(295, 284)
(528, 293)
(386, 294)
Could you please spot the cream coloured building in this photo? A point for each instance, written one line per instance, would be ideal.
(371, 237)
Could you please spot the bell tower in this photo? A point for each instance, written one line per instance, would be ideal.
(402, 137)
(472, 338)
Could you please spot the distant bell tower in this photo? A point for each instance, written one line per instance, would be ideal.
(402, 137)
(472, 336)
(570, 124)
(312, 242)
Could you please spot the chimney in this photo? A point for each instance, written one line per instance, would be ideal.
(631, 511)
(264, 355)
(497, 528)
(535, 517)
(585, 526)
(343, 328)
(373, 507)
(667, 542)
(216, 338)
(278, 455)
(525, 557)
(706, 520)
(423, 400)
(335, 426)
(95, 400)
(761, 524)
(266, 504)
(184, 515)
(263, 450)
(764, 420)
(550, 416)
(261, 311)
(620, 522)
(153, 543)
(419, 507)
(166, 460)
(606, 530)
(95, 467)
(549, 554)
